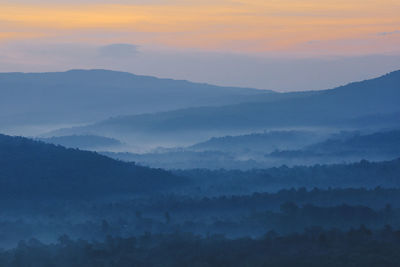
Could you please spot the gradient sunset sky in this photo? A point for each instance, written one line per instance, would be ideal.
(246, 43)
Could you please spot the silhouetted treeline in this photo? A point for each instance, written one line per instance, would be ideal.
(376, 198)
(314, 247)
(287, 211)
(266, 141)
(361, 174)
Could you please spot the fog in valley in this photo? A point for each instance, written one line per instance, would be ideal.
(92, 160)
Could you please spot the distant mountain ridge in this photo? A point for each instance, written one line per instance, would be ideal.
(376, 144)
(266, 141)
(339, 107)
(255, 151)
(82, 96)
(82, 141)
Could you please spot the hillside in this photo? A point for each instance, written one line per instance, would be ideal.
(265, 141)
(31, 169)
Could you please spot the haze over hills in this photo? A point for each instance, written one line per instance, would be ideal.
(380, 143)
(82, 96)
(345, 106)
(361, 174)
(263, 142)
(277, 148)
(351, 142)
(107, 168)
(349, 147)
(222, 185)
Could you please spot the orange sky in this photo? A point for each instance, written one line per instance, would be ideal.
(326, 26)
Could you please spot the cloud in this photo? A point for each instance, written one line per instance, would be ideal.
(135, 2)
(220, 25)
(216, 68)
(388, 33)
(118, 51)
(312, 42)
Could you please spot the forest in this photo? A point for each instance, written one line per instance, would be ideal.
(314, 247)
(239, 178)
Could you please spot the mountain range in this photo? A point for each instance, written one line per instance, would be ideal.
(83, 96)
(348, 106)
(264, 150)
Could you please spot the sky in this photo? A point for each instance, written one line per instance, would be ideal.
(284, 45)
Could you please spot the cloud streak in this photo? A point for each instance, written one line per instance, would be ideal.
(265, 72)
(253, 43)
(220, 25)
(118, 51)
(389, 33)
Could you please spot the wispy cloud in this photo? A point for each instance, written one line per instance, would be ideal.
(118, 50)
(219, 25)
(268, 72)
(388, 33)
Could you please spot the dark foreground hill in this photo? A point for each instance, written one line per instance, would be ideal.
(34, 169)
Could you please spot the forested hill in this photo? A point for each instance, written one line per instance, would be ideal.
(34, 169)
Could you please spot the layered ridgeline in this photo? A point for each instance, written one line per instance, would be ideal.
(362, 174)
(81, 96)
(87, 142)
(34, 169)
(275, 148)
(354, 105)
(372, 146)
(264, 142)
